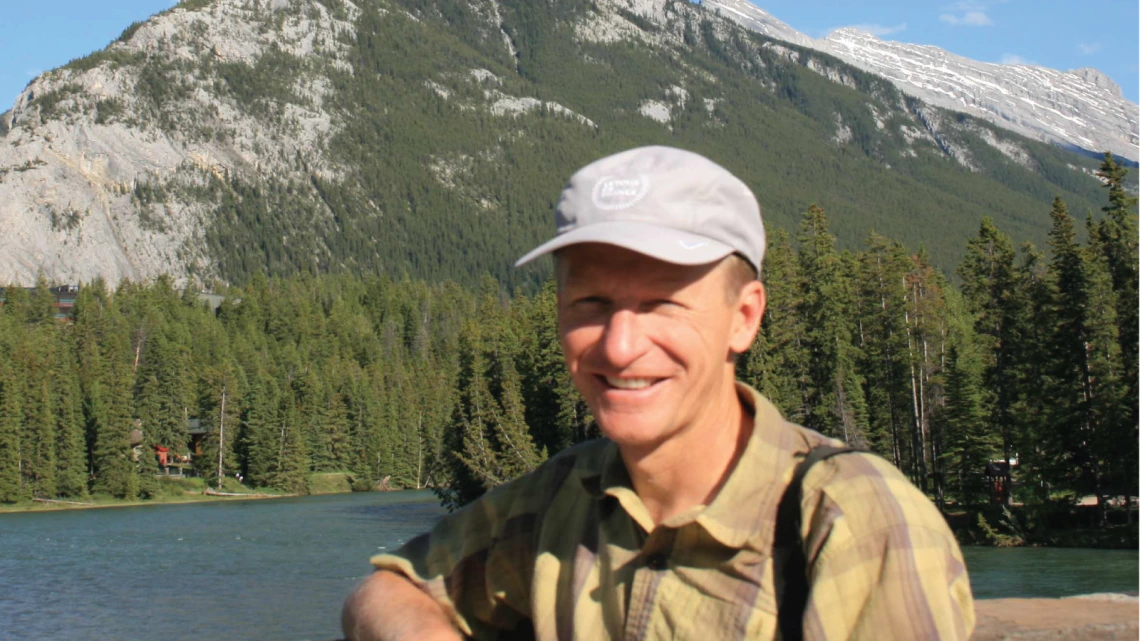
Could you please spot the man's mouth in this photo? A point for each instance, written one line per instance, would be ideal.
(627, 383)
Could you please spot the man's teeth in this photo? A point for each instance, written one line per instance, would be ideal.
(629, 383)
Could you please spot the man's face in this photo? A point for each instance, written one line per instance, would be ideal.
(649, 343)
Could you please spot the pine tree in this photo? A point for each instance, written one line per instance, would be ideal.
(11, 417)
(834, 398)
(881, 314)
(108, 409)
(1117, 238)
(970, 443)
(555, 411)
(67, 402)
(990, 289)
(777, 362)
(260, 440)
(220, 412)
(290, 471)
(1083, 321)
(162, 395)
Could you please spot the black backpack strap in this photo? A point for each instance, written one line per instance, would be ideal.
(789, 563)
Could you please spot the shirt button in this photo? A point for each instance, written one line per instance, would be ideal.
(656, 562)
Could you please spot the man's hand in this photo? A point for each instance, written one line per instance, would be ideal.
(388, 607)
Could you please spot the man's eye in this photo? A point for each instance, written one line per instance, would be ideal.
(591, 302)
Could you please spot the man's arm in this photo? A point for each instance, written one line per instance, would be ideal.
(388, 607)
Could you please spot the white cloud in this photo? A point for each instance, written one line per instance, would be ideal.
(967, 19)
(1088, 48)
(1014, 59)
(32, 73)
(968, 13)
(879, 30)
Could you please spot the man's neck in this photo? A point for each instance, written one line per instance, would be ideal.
(689, 468)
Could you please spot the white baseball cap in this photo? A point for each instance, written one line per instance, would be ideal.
(667, 203)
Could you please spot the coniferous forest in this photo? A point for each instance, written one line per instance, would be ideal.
(1009, 383)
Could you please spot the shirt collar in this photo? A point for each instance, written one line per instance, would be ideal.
(744, 511)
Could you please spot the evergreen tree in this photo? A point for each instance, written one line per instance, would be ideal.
(260, 438)
(1084, 348)
(991, 293)
(555, 411)
(777, 362)
(1117, 239)
(834, 397)
(969, 441)
(882, 339)
(71, 476)
(11, 417)
(220, 413)
(108, 409)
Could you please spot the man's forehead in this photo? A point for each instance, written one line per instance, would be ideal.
(594, 265)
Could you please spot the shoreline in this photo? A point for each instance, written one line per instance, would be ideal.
(177, 493)
(198, 497)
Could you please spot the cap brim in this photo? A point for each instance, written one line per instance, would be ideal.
(656, 241)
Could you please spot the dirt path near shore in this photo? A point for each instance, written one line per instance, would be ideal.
(1095, 617)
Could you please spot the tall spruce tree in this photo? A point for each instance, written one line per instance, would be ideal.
(970, 443)
(11, 418)
(1077, 413)
(1117, 238)
(881, 310)
(991, 293)
(777, 362)
(835, 400)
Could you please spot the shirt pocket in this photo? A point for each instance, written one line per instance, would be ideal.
(727, 600)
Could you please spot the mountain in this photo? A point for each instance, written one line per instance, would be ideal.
(223, 138)
(1082, 108)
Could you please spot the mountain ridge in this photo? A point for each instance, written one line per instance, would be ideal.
(226, 137)
(1082, 107)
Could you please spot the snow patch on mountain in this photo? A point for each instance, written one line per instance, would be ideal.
(655, 110)
(1082, 107)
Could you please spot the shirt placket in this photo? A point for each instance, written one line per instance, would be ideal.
(653, 564)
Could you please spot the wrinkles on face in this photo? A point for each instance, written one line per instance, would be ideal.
(644, 340)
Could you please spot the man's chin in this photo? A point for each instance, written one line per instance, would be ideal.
(638, 431)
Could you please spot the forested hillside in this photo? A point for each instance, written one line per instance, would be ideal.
(417, 384)
(226, 138)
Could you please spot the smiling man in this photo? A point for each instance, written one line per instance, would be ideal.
(702, 514)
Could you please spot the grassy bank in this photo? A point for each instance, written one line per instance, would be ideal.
(187, 490)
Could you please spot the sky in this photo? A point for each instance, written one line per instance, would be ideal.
(39, 35)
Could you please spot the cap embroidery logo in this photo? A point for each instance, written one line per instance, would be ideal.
(614, 193)
(687, 245)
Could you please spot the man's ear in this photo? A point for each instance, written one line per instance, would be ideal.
(747, 315)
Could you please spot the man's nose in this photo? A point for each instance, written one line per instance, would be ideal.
(624, 341)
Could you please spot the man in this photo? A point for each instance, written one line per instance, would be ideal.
(667, 528)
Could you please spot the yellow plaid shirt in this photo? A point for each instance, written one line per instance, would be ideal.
(571, 550)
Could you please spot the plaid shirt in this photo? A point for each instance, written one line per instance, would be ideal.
(571, 549)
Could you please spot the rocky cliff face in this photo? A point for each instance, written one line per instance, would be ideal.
(1083, 108)
(223, 137)
(89, 150)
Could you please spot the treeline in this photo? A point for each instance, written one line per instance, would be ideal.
(403, 383)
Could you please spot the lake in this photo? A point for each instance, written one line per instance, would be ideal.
(279, 569)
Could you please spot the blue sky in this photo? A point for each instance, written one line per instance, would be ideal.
(38, 35)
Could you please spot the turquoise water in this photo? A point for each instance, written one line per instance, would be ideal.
(279, 569)
(1049, 572)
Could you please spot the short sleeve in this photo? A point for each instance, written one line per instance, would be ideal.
(476, 562)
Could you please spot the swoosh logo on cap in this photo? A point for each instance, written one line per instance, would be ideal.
(688, 245)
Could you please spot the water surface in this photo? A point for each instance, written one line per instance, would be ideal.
(280, 569)
(272, 569)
